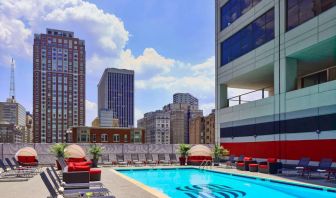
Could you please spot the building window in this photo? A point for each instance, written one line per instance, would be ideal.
(300, 11)
(247, 39)
(125, 138)
(116, 138)
(94, 138)
(104, 137)
(232, 10)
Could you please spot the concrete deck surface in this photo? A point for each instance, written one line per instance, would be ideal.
(123, 188)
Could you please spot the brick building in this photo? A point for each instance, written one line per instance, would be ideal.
(105, 135)
(58, 84)
(202, 129)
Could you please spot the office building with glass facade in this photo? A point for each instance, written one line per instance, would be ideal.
(285, 52)
(58, 85)
(116, 97)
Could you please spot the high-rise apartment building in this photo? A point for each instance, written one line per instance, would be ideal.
(157, 127)
(116, 97)
(285, 47)
(202, 129)
(185, 98)
(58, 84)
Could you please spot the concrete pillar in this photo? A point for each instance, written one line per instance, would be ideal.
(223, 92)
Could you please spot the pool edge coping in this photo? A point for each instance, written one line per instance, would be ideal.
(145, 187)
(291, 182)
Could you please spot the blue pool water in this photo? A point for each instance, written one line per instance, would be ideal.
(196, 183)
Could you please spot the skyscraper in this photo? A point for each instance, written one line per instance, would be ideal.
(58, 84)
(116, 97)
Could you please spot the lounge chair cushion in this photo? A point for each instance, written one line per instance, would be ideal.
(95, 174)
(27, 160)
(263, 166)
(95, 171)
(272, 160)
(247, 158)
(240, 163)
(72, 167)
(253, 165)
(81, 163)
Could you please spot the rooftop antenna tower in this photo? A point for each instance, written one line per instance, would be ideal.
(12, 82)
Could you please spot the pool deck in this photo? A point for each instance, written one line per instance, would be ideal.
(124, 187)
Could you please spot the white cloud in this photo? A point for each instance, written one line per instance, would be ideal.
(200, 80)
(20, 19)
(138, 114)
(207, 108)
(91, 111)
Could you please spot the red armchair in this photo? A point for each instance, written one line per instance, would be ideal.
(271, 166)
(244, 165)
(95, 174)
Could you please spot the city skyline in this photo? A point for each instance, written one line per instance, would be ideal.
(160, 70)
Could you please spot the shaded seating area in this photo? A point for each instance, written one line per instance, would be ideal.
(27, 156)
(76, 162)
(199, 154)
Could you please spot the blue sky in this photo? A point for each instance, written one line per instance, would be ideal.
(169, 44)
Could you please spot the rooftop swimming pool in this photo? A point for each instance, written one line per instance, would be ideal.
(196, 183)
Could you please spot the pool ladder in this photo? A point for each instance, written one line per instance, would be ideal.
(205, 163)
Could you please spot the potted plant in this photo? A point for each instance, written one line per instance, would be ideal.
(96, 151)
(219, 151)
(183, 151)
(58, 151)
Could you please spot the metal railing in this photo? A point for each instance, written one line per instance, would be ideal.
(240, 100)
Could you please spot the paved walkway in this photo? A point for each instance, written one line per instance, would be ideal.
(123, 188)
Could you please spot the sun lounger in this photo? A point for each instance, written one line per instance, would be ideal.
(121, 160)
(162, 159)
(135, 160)
(70, 193)
(67, 192)
(75, 185)
(230, 162)
(173, 159)
(105, 160)
(11, 173)
(31, 170)
(323, 167)
(149, 160)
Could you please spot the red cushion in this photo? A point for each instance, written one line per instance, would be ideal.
(76, 159)
(272, 160)
(253, 165)
(240, 164)
(95, 171)
(247, 158)
(80, 163)
(263, 166)
(198, 158)
(71, 167)
(27, 159)
(82, 168)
